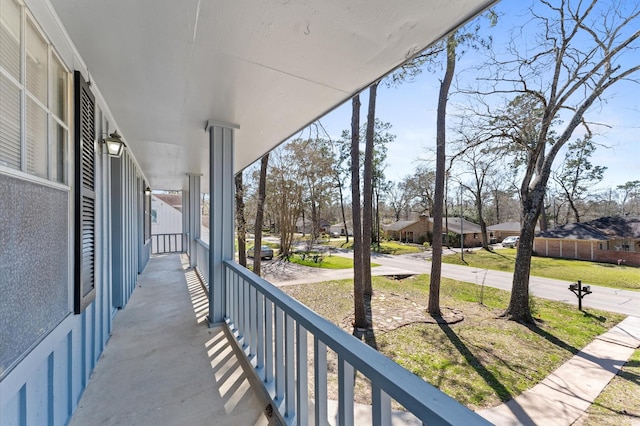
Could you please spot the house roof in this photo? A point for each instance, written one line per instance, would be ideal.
(174, 200)
(453, 224)
(604, 228)
(399, 225)
(271, 67)
(505, 226)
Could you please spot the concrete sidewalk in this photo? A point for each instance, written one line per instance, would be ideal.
(562, 397)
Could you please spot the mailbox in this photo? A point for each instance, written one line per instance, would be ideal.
(580, 291)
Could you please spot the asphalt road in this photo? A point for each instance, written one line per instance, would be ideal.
(604, 298)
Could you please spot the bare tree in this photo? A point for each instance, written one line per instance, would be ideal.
(241, 222)
(478, 161)
(257, 229)
(583, 49)
(358, 282)
(285, 196)
(367, 189)
(441, 159)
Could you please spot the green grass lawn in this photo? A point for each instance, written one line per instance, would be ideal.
(604, 274)
(386, 247)
(618, 404)
(480, 361)
(327, 262)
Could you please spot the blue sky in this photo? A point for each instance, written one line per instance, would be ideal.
(411, 109)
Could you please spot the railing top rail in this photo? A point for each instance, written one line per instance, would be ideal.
(421, 398)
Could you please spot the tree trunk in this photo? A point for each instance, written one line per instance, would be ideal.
(241, 222)
(344, 217)
(519, 308)
(367, 209)
(436, 262)
(358, 284)
(482, 223)
(262, 192)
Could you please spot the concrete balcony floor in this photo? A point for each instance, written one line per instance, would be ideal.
(163, 365)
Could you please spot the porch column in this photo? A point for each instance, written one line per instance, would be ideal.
(194, 218)
(221, 215)
(185, 222)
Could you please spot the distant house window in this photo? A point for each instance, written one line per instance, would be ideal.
(154, 216)
(475, 236)
(34, 98)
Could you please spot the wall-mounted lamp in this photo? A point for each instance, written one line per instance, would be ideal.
(115, 144)
(147, 191)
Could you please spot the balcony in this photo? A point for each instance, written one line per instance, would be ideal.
(259, 367)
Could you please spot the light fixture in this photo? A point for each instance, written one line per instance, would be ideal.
(115, 144)
(147, 191)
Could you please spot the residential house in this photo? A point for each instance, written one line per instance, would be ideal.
(471, 231)
(420, 230)
(166, 223)
(198, 91)
(408, 231)
(500, 231)
(305, 226)
(607, 239)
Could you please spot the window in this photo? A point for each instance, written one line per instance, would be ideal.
(34, 98)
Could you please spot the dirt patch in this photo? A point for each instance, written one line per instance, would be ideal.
(390, 311)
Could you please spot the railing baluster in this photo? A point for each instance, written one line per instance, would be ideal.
(303, 377)
(345, 392)
(260, 333)
(253, 326)
(268, 337)
(227, 295)
(236, 305)
(167, 243)
(320, 381)
(290, 367)
(276, 328)
(279, 358)
(246, 319)
(381, 406)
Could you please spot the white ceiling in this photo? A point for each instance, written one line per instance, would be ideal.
(271, 67)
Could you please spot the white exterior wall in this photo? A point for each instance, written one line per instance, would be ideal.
(168, 220)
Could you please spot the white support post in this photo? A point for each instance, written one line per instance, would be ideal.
(221, 215)
(185, 221)
(194, 218)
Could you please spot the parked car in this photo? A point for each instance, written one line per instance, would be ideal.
(266, 252)
(510, 242)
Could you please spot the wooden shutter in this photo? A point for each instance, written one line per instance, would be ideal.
(84, 193)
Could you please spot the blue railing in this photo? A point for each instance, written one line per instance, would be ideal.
(272, 329)
(167, 243)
